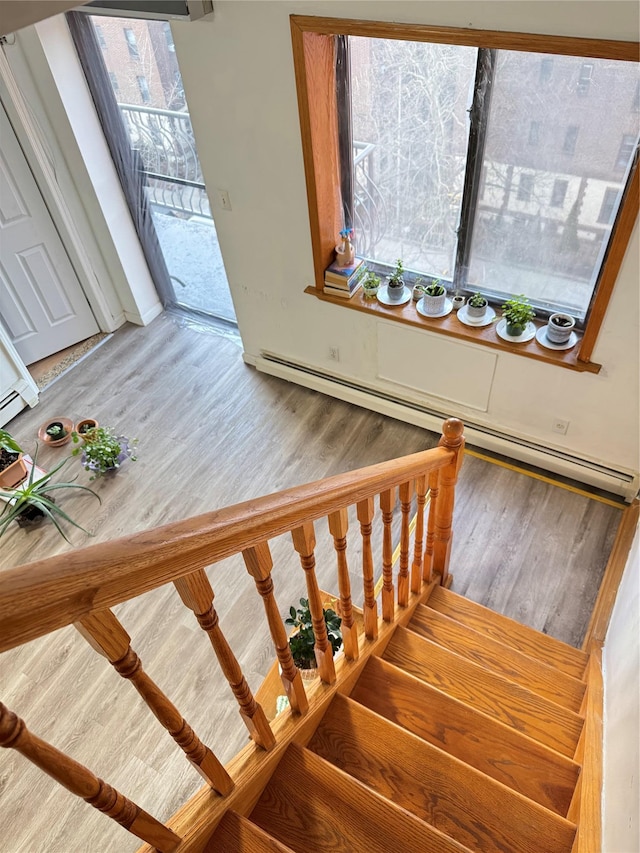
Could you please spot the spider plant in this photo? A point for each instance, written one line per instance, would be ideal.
(34, 496)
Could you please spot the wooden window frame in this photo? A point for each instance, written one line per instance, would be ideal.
(314, 62)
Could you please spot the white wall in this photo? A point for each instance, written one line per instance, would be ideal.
(238, 76)
(621, 664)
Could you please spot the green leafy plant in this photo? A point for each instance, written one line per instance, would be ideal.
(433, 289)
(518, 312)
(477, 300)
(103, 451)
(8, 443)
(370, 280)
(398, 272)
(302, 641)
(34, 498)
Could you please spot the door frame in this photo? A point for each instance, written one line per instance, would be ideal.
(108, 260)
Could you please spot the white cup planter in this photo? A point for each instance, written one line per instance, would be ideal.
(560, 327)
(477, 312)
(433, 305)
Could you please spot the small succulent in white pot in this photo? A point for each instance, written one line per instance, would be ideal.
(560, 327)
(434, 296)
(477, 306)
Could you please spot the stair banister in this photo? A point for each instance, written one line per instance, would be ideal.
(338, 526)
(81, 781)
(197, 594)
(106, 635)
(453, 439)
(60, 590)
(259, 564)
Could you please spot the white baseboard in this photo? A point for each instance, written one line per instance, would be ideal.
(619, 482)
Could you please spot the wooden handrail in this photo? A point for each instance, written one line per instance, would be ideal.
(52, 593)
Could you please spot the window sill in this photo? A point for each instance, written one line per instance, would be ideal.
(452, 327)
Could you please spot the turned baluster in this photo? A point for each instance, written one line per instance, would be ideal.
(338, 526)
(427, 563)
(197, 594)
(304, 541)
(106, 635)
(416, 566)
(387, 500)
(366, 511)
(259, 565)
(82, 782)
(404, 492)
(453, 439)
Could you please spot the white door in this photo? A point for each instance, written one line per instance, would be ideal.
(41, 300)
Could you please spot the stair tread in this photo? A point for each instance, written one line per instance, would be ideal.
(502, 628)
(440, 789)
(237, 834)
(499, 751)
(487, 691)
(529, 672)
(314, 806)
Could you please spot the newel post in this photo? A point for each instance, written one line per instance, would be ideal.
(453, 439)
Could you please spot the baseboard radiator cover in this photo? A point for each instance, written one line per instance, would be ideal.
(619, 482)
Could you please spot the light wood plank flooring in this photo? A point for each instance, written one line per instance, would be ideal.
(211, 432)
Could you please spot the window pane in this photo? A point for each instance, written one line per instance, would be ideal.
(410, 132)
(540, 227)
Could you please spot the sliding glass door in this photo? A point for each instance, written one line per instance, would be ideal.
(133, 74)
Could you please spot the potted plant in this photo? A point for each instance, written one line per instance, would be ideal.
(85, 427)
(457, 301)
(32, 502)
(103, 452)
(370, 284)
(518, 312)
(13, 470)
(302, 640)
(395, 283)
(433, 298)
(56, 431)
(560, 327)
(477, 306)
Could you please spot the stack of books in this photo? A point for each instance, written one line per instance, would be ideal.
(343, 281)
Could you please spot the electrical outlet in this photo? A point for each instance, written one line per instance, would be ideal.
(560, 425)
(334, 354)
(223, 199)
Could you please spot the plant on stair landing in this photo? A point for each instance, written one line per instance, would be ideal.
(302, 641)
(33, 502)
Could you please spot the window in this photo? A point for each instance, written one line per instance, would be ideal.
(169, 37)
(559, 192)
(570, 139)
(609, 203)
(100, 36)
(452, 211)
(636, 100)
(546, 67)
(114, 81)
(534, 133)
(625, 153)
(584, 78)
(132, 43)
(144, 89)
(525, 187)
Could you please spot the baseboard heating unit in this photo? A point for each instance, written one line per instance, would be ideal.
(624, 483)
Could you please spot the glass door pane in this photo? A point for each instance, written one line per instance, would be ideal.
(138, 57)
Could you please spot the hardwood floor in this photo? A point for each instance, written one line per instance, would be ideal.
(212, 431)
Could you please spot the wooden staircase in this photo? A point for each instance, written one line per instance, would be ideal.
(444, 726)
(460, 736)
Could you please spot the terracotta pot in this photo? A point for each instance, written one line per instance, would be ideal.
(13, 474)
(66, 424)
(86, 423)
